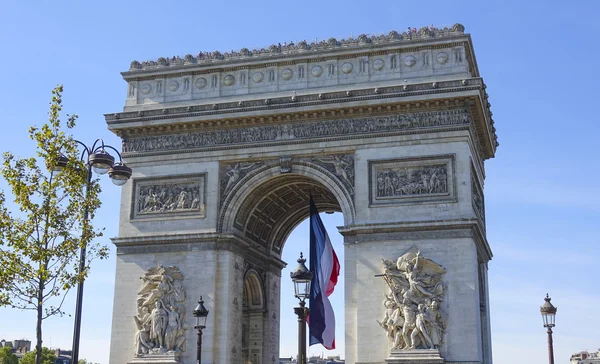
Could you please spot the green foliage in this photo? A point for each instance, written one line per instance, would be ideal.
(48, 357)
(83, 361)
(7, 356)
(39, 242)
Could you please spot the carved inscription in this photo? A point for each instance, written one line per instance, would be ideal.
(412, 180)
(305, 130)
(170, 197)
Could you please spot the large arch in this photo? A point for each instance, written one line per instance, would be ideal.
(266, 205)
(363, 125)
(262, 209)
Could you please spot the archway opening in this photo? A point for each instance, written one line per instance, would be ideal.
(253, 309)
(270, 213)
(263, 212)
(298, 241)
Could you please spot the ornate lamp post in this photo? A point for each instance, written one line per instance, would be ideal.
(200, 313)
(302, 278)
(548, 315)
(97, 160)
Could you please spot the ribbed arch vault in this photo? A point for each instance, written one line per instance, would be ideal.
(266, 206)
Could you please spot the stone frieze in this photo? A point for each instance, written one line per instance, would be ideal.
(183, 195)
(411, 180)
(298, 131)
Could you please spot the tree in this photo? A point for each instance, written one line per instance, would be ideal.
(40, 241)
(83, 361)
(47, 357)
(7, 356)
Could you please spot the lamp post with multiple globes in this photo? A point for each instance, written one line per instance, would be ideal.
(97, 160)
(302, 278)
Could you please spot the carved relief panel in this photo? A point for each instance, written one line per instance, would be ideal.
(164, 197)
(413, 317)
(477, 198)
(412, 180)
(161, 313)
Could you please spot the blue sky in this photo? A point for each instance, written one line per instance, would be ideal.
(538, 58)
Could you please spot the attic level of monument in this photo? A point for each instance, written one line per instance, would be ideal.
(278, 51)
(433, 70)
(379, 61)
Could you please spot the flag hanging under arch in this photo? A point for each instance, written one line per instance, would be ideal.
(326, 268)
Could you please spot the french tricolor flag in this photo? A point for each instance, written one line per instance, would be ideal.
(326, 268)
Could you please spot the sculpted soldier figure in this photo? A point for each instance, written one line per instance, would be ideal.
(413, 319)
(158, 319)
(161, 313)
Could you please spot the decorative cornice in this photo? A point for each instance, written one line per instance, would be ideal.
(210, 241)
(145, 240)
(419, 230)
(116, 121)
(409, 235)
(421, 225)
(275, 51)
(228, 114)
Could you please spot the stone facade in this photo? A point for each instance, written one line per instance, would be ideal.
(227, 148)
(586, 357)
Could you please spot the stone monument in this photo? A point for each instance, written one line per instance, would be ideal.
(226, 148)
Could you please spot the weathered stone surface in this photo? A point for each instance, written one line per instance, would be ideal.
(392, 132)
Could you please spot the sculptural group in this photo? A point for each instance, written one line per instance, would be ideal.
(169, 198)
(161, 312)
(413, 316)
(410, 181)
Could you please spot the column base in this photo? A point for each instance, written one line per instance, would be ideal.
(416, 356)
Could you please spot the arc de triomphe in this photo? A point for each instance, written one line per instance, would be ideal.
(392, 131)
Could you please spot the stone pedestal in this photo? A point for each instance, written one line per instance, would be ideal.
(417, 356)
(157, 359)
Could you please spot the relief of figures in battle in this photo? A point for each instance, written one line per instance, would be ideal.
(172, 197)
(409, 181)
(413, 316)
(160, 320)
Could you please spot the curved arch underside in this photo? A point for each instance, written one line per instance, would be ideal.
(253, 292)
(275, 208)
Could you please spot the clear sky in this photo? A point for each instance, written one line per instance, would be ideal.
(538, 58)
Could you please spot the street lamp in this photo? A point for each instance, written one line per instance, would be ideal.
(548, 312)
(301, 278)
(101, 162)
(200, 313)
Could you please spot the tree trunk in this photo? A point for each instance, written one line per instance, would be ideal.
(38, 328)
